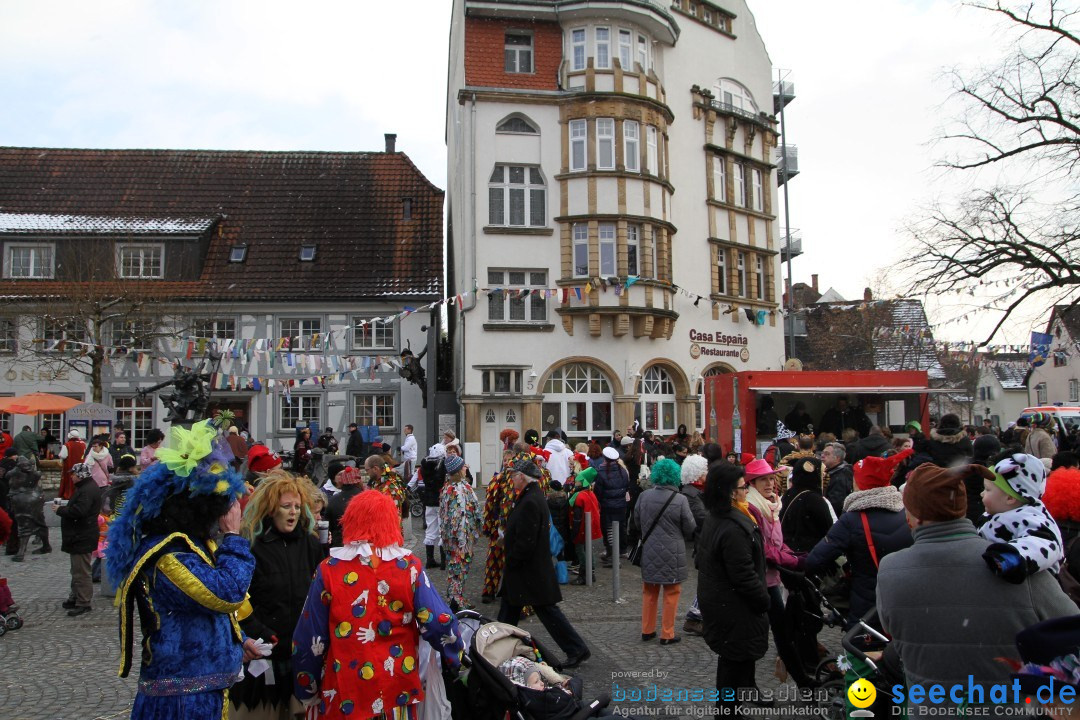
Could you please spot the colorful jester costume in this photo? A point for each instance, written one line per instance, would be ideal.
(188, 588)
(390, 483)
(459, 527)
(498, 503)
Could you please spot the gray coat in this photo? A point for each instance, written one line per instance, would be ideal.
(663, 559)
(949, 615)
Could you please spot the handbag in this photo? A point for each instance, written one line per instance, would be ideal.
(635, 553)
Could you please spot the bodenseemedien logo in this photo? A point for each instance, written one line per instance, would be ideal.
(862, 694)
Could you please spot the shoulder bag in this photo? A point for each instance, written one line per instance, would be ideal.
(635, 554)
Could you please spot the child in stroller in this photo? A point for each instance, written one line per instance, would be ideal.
(510, 677)
(9, 615)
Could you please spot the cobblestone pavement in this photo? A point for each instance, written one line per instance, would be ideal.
(56, 667)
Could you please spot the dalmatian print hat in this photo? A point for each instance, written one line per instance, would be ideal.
(1024, 475)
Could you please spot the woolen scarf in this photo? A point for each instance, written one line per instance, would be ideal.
(744, 508)
(769, 508)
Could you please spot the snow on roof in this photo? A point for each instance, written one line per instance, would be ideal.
(24, 223)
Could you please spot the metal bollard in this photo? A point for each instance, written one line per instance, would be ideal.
(588, 550)
(615, 560)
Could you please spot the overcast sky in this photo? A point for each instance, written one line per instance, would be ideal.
(330, 75)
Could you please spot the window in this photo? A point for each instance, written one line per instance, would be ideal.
(756, 193)
(213, 329)
(516, 197)
(708, 16)
(9, 336)
(719, 178)
(655, 254)
(721, 271)
(518, 53)
(137, 415)
(299, 331)
(732, 96)
(522, 297)
(375, 409)
(374, 335)
(501, 382)
(657, 409)
(607, 249)
(307, 253)
(626, 49)
(29, 261)
(652, 157)
(137, 335)
(759, 281)
(237, 253)
(581, 250)
(406, 208)
(577, 398)
(1061, 359)
(516, 124)
(643, 52)
(140, 261)
(603, 47)
(605, 144)
(740, 185)
(299, 410)
(633, 249)
(55, 331)
(741, 270)
(1040, 394)
(1074, 391)
(577, 48)
(631, 145)
(578, 133)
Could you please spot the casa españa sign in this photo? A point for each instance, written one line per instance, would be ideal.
(718, 345)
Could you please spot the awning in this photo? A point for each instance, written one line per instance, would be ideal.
(881, 390)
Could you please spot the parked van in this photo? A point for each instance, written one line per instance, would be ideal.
(1065, 417)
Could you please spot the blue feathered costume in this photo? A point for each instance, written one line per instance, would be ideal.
(190, 590)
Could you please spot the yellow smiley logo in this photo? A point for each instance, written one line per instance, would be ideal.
(862, 693)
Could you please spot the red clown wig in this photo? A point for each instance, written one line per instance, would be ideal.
(372, 517)
(1062, 496)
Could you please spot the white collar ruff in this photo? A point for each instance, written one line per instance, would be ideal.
(362, 549)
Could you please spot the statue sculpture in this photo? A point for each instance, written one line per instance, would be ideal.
(190, 394)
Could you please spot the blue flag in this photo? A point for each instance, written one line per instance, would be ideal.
(1040, 348)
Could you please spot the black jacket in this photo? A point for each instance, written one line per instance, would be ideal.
(612, 483)
(841, 484)
(335, 510)
(731, 586)
(559, 508)
(78, 519)
(804, 518)
(433, 474)
(529, 577)
(869, 446)
(355, 446)
(949, 450)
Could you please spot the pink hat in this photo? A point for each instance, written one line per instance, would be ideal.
(758, 468)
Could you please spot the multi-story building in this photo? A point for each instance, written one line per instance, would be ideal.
(295, 265)
(612, 196)
(1057, 381)
(1002, 394)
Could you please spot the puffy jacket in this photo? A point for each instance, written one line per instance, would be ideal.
(335, 510)
(804, 517)
(884, 508)
(663, 558)
(869, 446)
(612, 483)
(558, 463)
(78, 519)
(949, 450)
(697, 505)
(1039, 444)
(433, 474)
(841, 484)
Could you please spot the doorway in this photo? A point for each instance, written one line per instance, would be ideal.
(495, 419)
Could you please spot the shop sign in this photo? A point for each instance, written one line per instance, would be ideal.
(35, 376)
(718, 345)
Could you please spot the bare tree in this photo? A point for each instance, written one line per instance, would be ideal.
(1008, 244)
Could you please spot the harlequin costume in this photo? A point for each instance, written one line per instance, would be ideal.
(459, 527)
(355, 648)
(390, 483)
(188, 589)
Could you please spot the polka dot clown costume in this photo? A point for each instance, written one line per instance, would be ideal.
(356, 646)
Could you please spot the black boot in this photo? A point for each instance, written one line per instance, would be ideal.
(45, 546)
(442, 558)
(23, 542)
(430, 557)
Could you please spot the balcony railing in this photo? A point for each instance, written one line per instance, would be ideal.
(787, 166)
(792, 246)
(731, 109)
(783, 94)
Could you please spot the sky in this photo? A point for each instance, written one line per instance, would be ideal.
(337, 75)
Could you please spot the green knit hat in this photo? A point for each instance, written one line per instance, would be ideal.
(586, 477)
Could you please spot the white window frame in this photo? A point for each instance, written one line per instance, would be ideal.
(1074, 390)
(631, 145)
(605, 143)
(759, 283)
(489, 381)
(37, 263)
(756, 191)
(517, 51)
(579, 52)
(305, 338)
(740, 185)
(1040, 394)
(374, 335)
(502, 306)
(135, 329)
(609, 249)
(633, 249)
(655, 254)
(722, 271)
(528, 189)
(720, 178)
(122, 249)
(626, 49)
(652, 155)
(740, 268)
(602, 47)
(65, 333)
(571, 385)
(298, 409)
(580, 244)
(644, 52)
(579, 134)
(206, 328)
(9, 335)
(379, 402)
(137, 415)
(734, 94)
(708, 16)
(657, 388)
(530, 126)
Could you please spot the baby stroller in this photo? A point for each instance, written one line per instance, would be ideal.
(9, 611)
(492, 696)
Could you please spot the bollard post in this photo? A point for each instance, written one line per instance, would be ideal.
(588, 550)
(615, 550)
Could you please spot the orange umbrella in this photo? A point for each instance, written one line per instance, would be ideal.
(37, 404)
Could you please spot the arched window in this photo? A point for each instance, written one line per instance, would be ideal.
(517, 124)
(734, 96)
(577, 398)
(657, 404)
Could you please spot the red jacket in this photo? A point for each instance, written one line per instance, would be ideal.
(585, 502)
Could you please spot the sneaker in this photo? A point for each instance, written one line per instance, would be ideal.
(78, 610)
(670, 641)
(68, 604)
(41, 551)
(694, 627)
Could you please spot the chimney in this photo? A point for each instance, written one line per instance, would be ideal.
(813, 282)
(391, 142)
(867, 296)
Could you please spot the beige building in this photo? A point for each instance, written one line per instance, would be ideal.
(612, 197)
(1057, 381)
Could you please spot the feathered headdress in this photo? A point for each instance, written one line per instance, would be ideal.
(196, 462)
